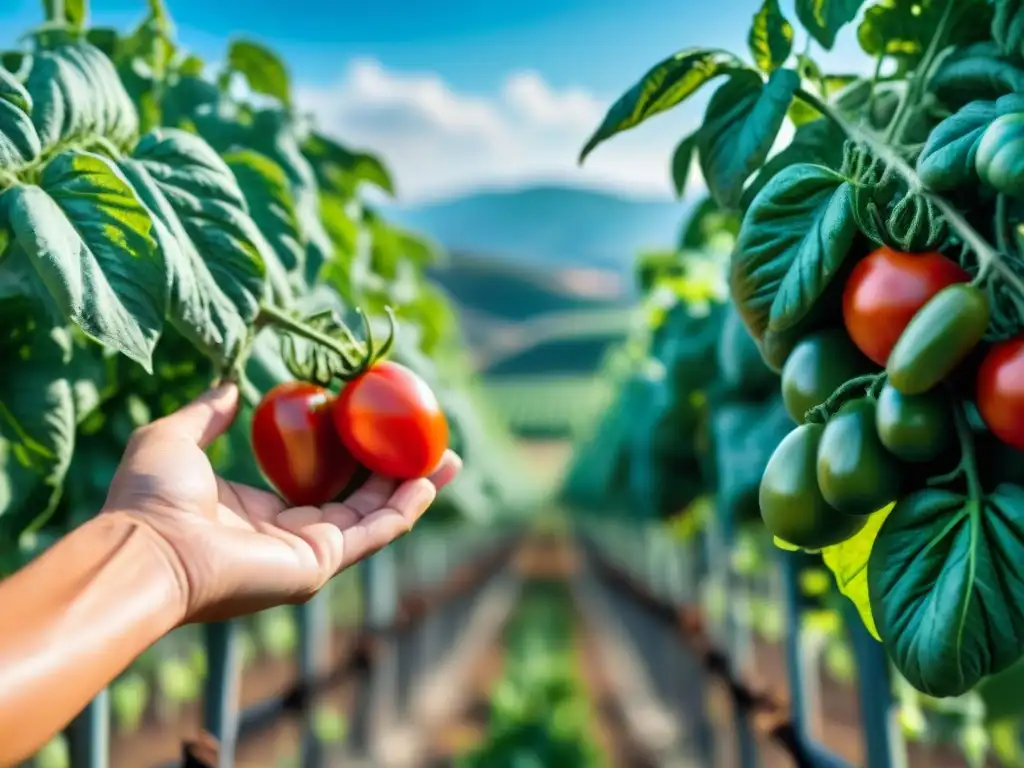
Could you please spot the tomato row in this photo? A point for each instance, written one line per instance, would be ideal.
(920, 318)
(311, 444)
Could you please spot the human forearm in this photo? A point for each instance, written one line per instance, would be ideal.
(72, 620)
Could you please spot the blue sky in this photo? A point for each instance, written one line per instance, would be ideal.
(459, 94)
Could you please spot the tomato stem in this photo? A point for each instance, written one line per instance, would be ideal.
(821, 413)
(274, 316)
(988, 256)
(913, 95)
(968, 463)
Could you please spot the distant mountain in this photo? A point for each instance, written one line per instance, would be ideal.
(557, 226)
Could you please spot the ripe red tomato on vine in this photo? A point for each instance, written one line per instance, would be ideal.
(297, 447)
(1000, 391)
(886, 289)
(391, 421)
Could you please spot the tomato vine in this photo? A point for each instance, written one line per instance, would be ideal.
(928, 185)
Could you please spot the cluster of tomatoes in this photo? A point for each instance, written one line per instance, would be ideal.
(311, 444)
(921, 319)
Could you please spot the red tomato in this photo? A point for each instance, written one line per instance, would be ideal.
(1001, 391)
(884, 292)
(391, 422)
(297, 447)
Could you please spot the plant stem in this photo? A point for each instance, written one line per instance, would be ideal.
(916, 85)
(968, 462)
(821, 413)
(988, 256)
(271, 315)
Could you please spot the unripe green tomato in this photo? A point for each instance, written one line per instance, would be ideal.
(915, 428)
(792, 505)
(818, 365)
(938, 338)
(1000, 156)
(856, 475)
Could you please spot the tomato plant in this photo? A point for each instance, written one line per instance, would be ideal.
(296, 445)
(886, 289)
(166, 222)
(390, 420)
(818, 365)
(899, 193)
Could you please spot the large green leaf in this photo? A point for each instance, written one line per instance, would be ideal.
(824, 18)
(74, 11)
(771, 37)
(946, 579)
(848, 562)
(740, 127)
(37, 418)
(819, 142)
(19, 142)
(340, 170)
(959, 81)
(947, 160)
(668, 83)
(793, 240)
(1008, 27)
(270, 204)
(92, 243)
(682, 159)
(262, 69)
(205, 197)
(902, 29)
(78, 96)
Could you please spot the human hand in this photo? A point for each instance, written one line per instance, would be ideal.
(233, 549)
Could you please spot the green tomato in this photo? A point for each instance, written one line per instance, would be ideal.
(915, 428)
(1000, 156)
(818, 365)
(792, 505)
(855, 473)
(938, 338)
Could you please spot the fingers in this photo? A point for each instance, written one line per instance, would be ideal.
(446, 471)
(376, 491)
(206, 417)
(396, 518)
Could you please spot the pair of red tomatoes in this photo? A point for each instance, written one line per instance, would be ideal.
(309, 443)
(887, 288)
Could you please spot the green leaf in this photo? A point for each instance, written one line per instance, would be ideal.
(75, 12)
(91, 242)
(37, 418)
(740, 126)
(849, 564)
(270, 204)
(668, 83)
(824, 18)
(340, 170)
(819, 142)
(682, 159)
(78, 96)
(946, 588)
(19, 142)
(975, 78)
(771, 37)
(262, 69)
(212, 247)
(793, 240)
(1008, 27)
(902, 29)
(105, 39)
(947, 160)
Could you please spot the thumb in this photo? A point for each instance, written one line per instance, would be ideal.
(206, 417)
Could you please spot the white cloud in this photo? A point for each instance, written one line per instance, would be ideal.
(440, 142)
